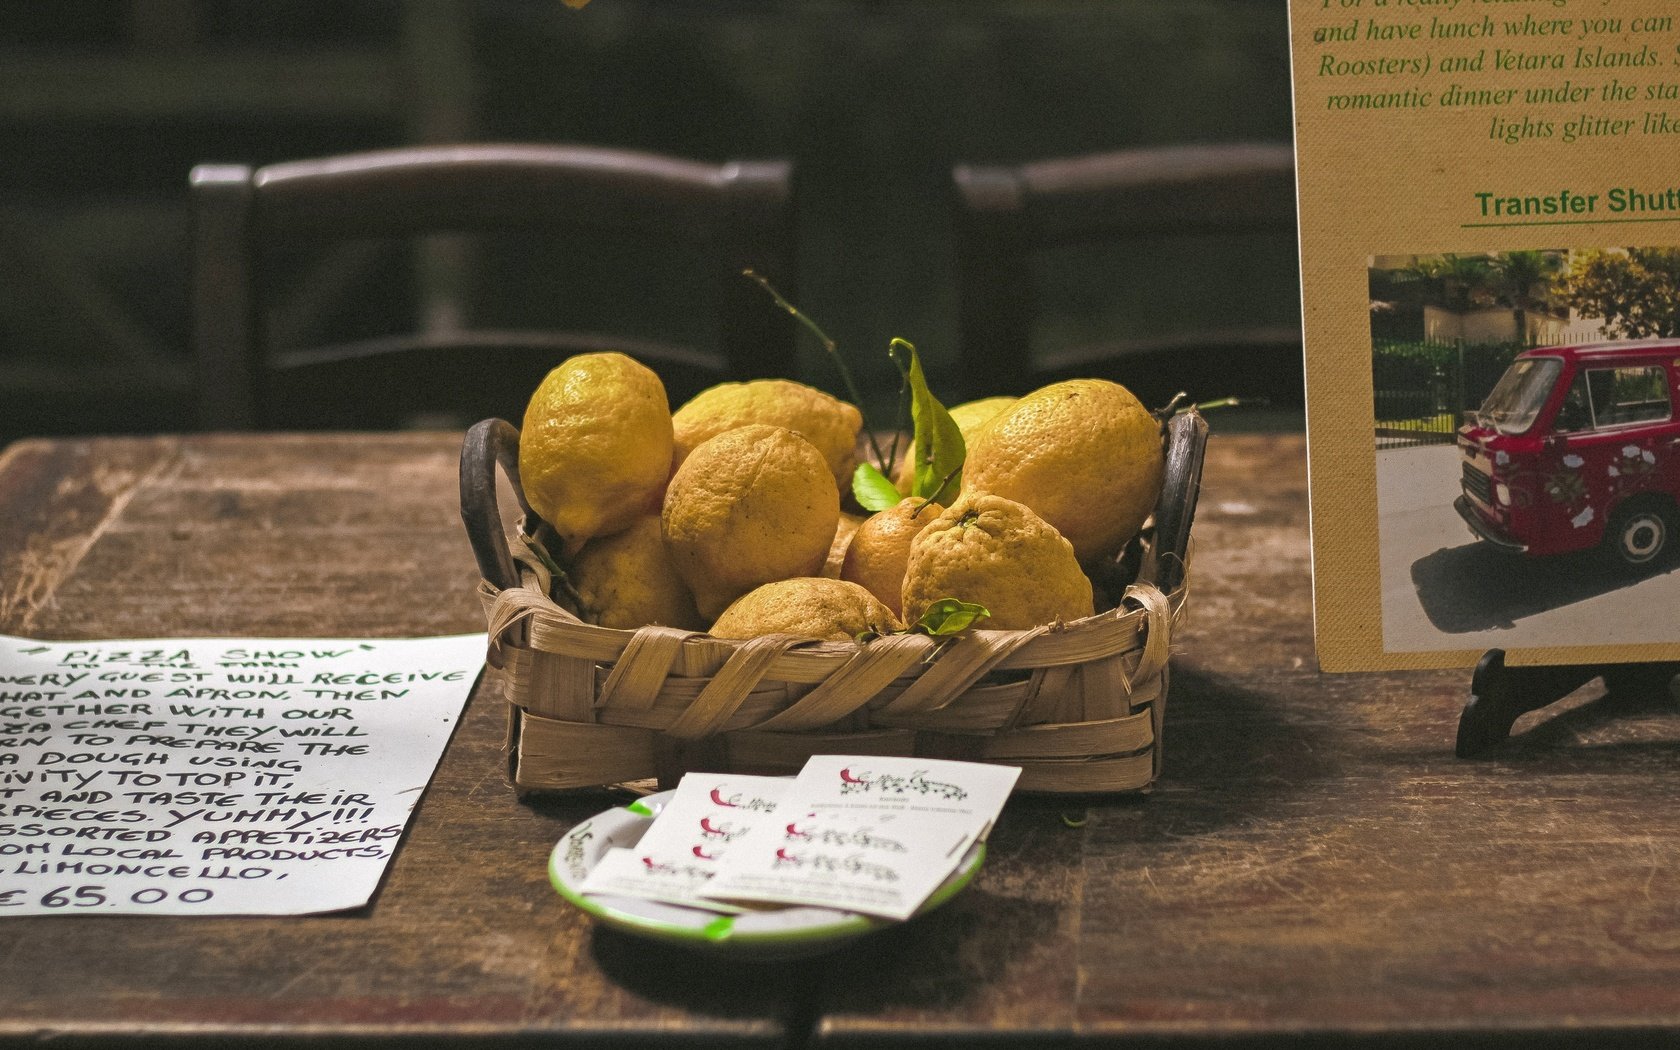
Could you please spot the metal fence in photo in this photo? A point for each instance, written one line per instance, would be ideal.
(1423, 391)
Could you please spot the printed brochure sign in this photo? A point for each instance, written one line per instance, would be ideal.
(1490, 267)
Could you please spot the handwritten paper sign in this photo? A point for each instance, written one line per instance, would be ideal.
(216, 777)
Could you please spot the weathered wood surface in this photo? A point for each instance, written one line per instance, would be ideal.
(1314, 863)
(322, 536)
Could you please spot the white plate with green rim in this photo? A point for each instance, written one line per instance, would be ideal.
(779, 933)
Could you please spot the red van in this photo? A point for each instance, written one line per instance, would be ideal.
(1577, 447)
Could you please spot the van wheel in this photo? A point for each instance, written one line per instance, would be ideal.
(1640, 535)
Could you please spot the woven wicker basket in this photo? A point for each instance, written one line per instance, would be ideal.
(1077, 706)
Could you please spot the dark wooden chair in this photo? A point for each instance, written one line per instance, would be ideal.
(1216, 197)
(728, 217)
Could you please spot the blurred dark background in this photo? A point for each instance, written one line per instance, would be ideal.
(105, 105)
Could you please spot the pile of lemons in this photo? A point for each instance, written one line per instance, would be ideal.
(728, 514)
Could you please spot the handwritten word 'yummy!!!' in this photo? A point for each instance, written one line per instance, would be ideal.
(293, 818)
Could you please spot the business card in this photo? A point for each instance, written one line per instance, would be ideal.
(875, 864)
(868, 834)
(682, 848)
(967, 795)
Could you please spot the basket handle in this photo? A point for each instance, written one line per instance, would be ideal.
(1181, 484)
(488, 443)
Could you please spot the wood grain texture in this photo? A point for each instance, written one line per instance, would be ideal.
(1313, 868)
(324, 536)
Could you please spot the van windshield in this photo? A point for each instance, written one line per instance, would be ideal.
(1518, 396)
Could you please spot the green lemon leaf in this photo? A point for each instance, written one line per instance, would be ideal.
(950, 616)
(872, 489)
(938, 445)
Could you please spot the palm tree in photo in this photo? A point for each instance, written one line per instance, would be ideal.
(1524, 282)
(1462, 281)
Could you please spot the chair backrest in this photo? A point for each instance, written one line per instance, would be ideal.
(1006, 214)
(733, 216)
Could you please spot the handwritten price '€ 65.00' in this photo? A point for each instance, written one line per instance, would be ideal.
(100, 896)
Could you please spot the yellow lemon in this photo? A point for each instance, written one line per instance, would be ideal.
(749, 506)
(995, 552)
(1084, 454)
(827, 422)
(813, 607)
(881, 548)
(969, 417)
(626, 580)
(595, 446)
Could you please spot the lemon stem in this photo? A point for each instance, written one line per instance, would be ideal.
(558, 580)
(1167, 411)
(1228, 402)
(944, 483)
(831, 348)
(901, 422)
(1177, 405)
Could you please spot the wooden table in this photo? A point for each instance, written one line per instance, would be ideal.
(1314, 863)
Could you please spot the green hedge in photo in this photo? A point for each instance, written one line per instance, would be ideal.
(1416, 379)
